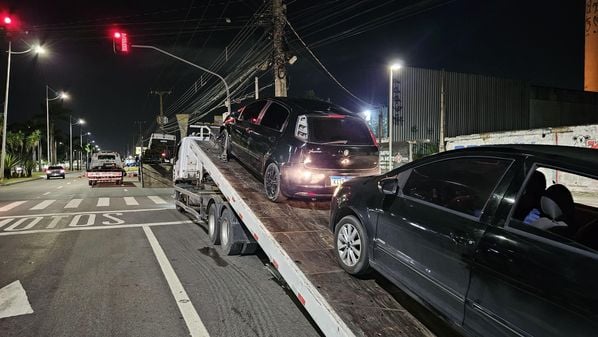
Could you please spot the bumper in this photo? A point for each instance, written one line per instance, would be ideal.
(52, 175)
(297, 181)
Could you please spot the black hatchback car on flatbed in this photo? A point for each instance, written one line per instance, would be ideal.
(301, 147)
(500, 241)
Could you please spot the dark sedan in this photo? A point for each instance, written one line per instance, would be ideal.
(500, 241)
(301, 147)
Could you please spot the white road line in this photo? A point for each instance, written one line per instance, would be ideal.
(90, 212)
(156, 199)
(90, 228)
(42, 205)
(194, 323)
(46, 193)
(14, 301)
(73, 203)
(126, 190)
(59, 187)
(103, 202)
(68, 183)
(130, 201)
(11, 206)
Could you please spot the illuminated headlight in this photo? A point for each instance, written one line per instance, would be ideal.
(307, 161)
(307, 176)
(61, 171)
(345, 162)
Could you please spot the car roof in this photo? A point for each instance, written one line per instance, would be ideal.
(312, 106)
(577, 156)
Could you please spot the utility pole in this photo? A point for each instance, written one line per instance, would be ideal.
(279, 64)
(161, 117)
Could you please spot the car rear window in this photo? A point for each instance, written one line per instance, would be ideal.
(106, 157)
(339, 130)
(55, 167)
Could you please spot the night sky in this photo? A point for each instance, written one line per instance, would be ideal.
(539, 41)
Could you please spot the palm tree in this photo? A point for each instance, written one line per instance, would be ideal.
(15, 141)
(32, 144)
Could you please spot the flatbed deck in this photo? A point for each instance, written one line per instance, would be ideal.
(302, 239)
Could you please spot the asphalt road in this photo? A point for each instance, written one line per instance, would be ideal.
(121, 261)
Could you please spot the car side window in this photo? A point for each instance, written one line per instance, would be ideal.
(251, 112)
(461, 184)
(275, 117)
(560, 206)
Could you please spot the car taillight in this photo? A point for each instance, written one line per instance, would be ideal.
(61, 171)
(373, 137)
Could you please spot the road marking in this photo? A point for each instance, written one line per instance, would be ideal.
(194, 323)
(14, 301)
(11, 206)
(74, 229)
(42, 205)
(68, 183)
(59, 187)
(156, 199)
(46, 193)
(89, 212)
(126, 190)
(73, 203)
(130, 201)
(103, 202)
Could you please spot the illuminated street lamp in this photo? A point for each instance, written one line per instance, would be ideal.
(392, 68)
(59, 95)
(32, 49)
(77, 122)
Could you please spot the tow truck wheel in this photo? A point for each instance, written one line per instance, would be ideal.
(272, 183)
(213, 224)
(230, 233)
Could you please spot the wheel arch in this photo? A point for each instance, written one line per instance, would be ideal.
(349, 210)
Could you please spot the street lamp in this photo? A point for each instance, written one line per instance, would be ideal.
(86, 152)
(59, 95)
(79, 122)
(34, 49)
(392, 68)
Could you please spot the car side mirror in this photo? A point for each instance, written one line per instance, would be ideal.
(389, 186)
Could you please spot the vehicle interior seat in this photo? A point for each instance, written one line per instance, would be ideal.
(558, 211)
(531, 196)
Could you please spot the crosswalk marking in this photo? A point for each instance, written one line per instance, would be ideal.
(103, 202)
(130, 201)
(73, 203)
(11, 206)
(42, 205)
(156, 199)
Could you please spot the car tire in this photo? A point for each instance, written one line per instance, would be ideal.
(273, 183)
(230, 230)
(63, 177)
(213, 224)
(47, 178)
(351, 246)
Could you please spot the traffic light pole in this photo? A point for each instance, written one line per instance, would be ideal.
(228, 100)
(4, 121)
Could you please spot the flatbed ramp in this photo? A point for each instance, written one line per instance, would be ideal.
(299, 245)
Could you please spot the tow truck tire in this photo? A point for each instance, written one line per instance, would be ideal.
(213, 224)
(351, 246)
(89, 183)
(231, 233)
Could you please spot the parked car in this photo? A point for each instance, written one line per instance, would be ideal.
(301, 147)
(55, 171)
(500, 241)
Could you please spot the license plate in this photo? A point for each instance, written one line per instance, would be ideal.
(337, 180)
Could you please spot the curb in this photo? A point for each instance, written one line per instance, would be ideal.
(20, 181)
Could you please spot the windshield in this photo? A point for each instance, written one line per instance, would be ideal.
(346, 131)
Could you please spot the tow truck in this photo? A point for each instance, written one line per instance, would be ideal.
(228, 200)
(105, 167)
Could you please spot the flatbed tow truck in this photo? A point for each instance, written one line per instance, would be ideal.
(294, 236)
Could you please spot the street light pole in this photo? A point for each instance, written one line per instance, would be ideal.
(70, 142)
(61, 95)
(4, 121)
(228, 101)
(393, 67)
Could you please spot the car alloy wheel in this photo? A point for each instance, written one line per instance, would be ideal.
(272, 183)
(349, 245)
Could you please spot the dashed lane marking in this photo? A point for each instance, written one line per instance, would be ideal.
(192, 319)
(11, 206)
(103, 202)
(73, 203)
(46, 193)
(130, 201)
(59, 187)
(42, 205)
(156, 199)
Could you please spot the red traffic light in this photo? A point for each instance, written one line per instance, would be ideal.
(120, 42)
(7, 20)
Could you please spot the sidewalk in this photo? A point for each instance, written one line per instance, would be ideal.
(12, 181)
